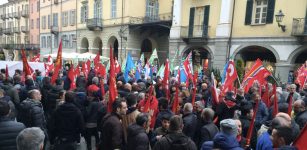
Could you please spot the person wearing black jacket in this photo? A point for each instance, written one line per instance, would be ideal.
(53, 95)
(160, 91)
(137, 138)
(80, 80)
(81, 101)
(299, 108)
(91, 119)
(23, 93)
(46, 87)
(189, 121)
(247, 113)
(31, 112)
(205, 92)
(65, 124)
(12, 115)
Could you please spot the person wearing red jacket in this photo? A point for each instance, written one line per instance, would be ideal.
(93, 87)
(153, 108)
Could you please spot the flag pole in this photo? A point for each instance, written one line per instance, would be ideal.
(239, 80)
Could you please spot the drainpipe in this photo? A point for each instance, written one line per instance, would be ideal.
(230, 36)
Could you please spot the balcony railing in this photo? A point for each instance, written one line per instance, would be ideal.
(56, 1)
(25, 13)
(17, 15)
(16, 30)
(25, 29)
(32, 47)
(299, 27)
(11, 15)
(8, 31)
(7, 16)
(8, 46)
(55, 30)
(3, 17)
(155, 18)
(18, 46)
(94, 23)
(197, 31)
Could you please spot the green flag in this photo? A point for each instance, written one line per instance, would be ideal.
(153, 56)
(160, 70)
(199, 69)
(92, 63)
(123, 66)
(108, 66)
(172, 62)
(142, 59)
(76, 62)
(135, 64)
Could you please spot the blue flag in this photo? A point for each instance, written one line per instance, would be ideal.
(129, 66)
(224, 73)
(138, 70)
(151, 73)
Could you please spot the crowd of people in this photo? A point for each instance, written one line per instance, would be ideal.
(34, 112)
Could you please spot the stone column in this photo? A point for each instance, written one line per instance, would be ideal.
(175, 30)
(283, 70)
(223, 28)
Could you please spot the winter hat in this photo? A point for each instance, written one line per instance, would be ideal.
(229, 94)
(229, 126)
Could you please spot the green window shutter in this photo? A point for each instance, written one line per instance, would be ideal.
(270, 11)
(249, 12)
(191, 22)
(206, 21)
(147, 8)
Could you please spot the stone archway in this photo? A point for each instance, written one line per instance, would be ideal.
(97, 45)
(201, 56)
(147, 47)
(84, 45)
(114, 42)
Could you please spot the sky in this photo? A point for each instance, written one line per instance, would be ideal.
(3, 2)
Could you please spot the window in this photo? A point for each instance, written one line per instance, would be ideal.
(113, 9)
(261, 11)
(64, 43)
(55, 19)
(32, 8)
(43, 41)
(151, 9)
(37, 39)
(69, 41)
(31, 39)
(43, 1)
(49, 21)
(66, 18)
(38, 6)
(48, 41)
(73, 17)
(32, 23)
(199, 21)
(56, 40)
(44, 22)
(73, 36)
(85, 13)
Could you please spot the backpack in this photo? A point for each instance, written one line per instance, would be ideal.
(179, 142)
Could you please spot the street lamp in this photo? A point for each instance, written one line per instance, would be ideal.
(121, 34)
(279, 17)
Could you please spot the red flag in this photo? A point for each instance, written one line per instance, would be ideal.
(36, 59)
(58, 64)
(117, 66)
(290, 106)
(102, 89)
(187, 69)
(250, 129)
(99, 68)
(147, 104)
(231, 76)
(175, 109)
(187, 83)
(266, 73)
(266, 98)
(275, 105)
(48, 66)
(72, 75)
(27, 70)
(229, 104)
(300, 141)
(195, 85)
(96, 59)
(215, 99)
(165, 79)
(86, 68)
(250, 76)
(7, 71)
(112, 83)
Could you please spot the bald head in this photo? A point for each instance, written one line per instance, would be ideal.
(285, 116)
(299, 106)
(204, 86)
(207, 114)
(128, 86)
(278, 121)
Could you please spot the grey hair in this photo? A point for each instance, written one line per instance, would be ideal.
(257, 82)
(200, 104)
(240, 89)
(208, 113)
(188, 107)
(30, 139)
(95, 80)
(293, 85)
(142, 95)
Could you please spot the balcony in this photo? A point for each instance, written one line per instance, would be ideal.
(155, 18)
(8, 31)
(31, 47)
(11, 15)
(299, 27)
(196, 33)
(56, 1)
(55, 30)
(94, 24)
(8, 46)
(25, 29)
(7, 16)
(18, 46)
(17, 15)
(17, 30)
(3, 17)
(25, 13)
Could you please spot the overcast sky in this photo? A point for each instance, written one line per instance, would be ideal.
(3, 2)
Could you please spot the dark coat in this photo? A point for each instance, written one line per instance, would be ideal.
(223, 112)
(200, 124)
(248, 96)
(112, 133)
(23, 93)
(91, 111)
(32, 114)
(245, 122)
(53, 95)
(82, 102)
(207, 133)
(89, 79)
(295, 128)
(12, 115)
(301, 119)
(10, 91)
(239, 98)
(66, 83)
(80, 81)
(226, 141)
(262, 114)
(206, 94)
(158, 122)
(190, 124)
(160, 93)
(173, 137)
(66, 122)
(9, 131)
(137, 138)
(45, 89)
(102, 111)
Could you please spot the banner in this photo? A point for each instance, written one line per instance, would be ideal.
(13, 65)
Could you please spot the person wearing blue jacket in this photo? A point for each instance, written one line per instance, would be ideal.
(262, 114)
(162, 105)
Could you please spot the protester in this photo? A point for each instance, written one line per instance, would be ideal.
(13, 113)
(93, 87)
(10, 91)
(163, 109)
(61, 100)
(1, 80)
(23, 93)
(175, 135)
(17, 83)
(45, 89)
(31, 139)
(80, 80)
(247, 113)
(262, 111)
(299, 108)
(160, 131)
(293, 93)
(281, 136)
(9, 129)
(283, 109)
(189, 120)
(137, 138)
(53, 95)
(240, 95)
(198, 108)
(82, 101)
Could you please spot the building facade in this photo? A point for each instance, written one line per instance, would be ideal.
(216, 30)
(34, 28)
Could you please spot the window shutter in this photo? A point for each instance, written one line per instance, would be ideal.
(270, 11)
(74, 17)
(100, 10)
(49, 21)
(147, 8)
(81, 15)
(157, 10)
(94, 10)
(86, 15)
(69, 17)
(42, 22)
(191, 22)
(66, 20)
(63, 18)
(206, 21)
(249, 12)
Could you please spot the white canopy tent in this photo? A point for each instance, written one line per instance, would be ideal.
(72, 56)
